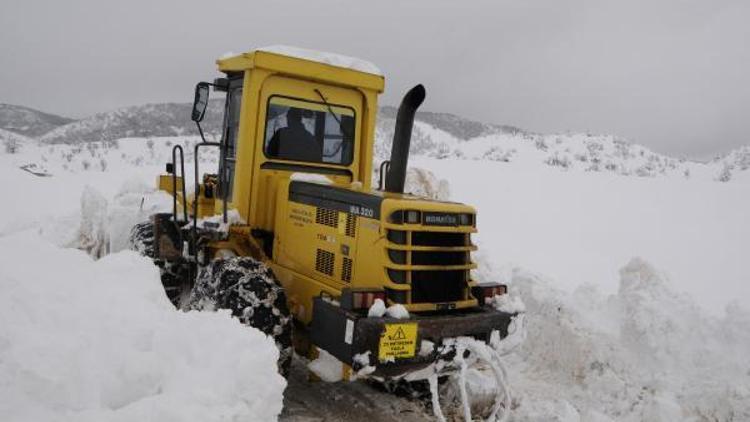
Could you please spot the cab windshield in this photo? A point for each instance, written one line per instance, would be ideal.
(308, 131)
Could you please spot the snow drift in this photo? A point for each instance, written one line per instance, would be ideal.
(84, 340)
(645, 353)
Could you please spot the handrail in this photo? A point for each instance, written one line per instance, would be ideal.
(198, 189)
(384, 166)
(174, 183)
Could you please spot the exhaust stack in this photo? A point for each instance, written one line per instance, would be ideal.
(396, 176)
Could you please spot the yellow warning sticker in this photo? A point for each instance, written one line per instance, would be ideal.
(398, 341)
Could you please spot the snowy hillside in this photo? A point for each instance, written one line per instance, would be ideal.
(27, 121)
(733, 163)
(150, 120)
(436, 135)
(444, 137)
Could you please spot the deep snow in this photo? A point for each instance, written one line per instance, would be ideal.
(85, 340)
(602, 344)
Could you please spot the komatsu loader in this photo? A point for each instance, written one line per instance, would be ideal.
(291, 235)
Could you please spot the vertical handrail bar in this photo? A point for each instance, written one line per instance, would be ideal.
(174, 183)
(198, 189)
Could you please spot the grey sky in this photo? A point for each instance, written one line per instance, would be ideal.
(672, 75)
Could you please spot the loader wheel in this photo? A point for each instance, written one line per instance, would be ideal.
(141, 238)
(250, 290)
(175, 275)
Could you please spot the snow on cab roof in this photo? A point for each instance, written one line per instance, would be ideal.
(332, 59)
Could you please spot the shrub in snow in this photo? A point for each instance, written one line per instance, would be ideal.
(540, 144)
(726, 173)
(557, 160)
(11, 146)
(498, 154)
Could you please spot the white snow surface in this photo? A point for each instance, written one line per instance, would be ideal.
(645, 353)
(508, 303)
(641, 344)
(216, 222)
(397, 311)
(377, 309)
(310, 177)
(85, 340)
(327, 367)
(332, 59)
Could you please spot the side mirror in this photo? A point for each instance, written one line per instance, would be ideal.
(201, 101)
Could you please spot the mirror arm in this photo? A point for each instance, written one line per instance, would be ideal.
(200, 130)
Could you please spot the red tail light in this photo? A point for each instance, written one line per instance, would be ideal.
(488, 291)
(357, 300)
(494, 290)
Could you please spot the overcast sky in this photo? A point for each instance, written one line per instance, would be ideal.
(669, 74)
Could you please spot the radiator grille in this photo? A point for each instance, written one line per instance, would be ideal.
(327, 217)
(324, 262)
(346, 270)
(437, 286)
(431, 251)
(351, 224)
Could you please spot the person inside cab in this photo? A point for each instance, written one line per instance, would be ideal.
(294, 142)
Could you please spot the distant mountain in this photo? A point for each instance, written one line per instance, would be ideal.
(436, 135)
(29, 122)
(150, 120)
(173, 119)
(459, 127)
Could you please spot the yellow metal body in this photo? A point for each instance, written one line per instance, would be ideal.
(354, 247)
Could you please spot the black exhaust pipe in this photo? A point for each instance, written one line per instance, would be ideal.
(396, 176)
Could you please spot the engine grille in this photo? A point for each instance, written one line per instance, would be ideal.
(436, 264)
(346, 270)
(351, 225)
(324, 262)
(327, 217)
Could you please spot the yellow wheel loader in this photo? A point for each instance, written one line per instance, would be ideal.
(292, 236)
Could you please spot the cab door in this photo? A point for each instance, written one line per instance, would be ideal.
(331, 117)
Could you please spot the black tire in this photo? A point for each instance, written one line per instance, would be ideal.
(249, 289)
(175, 275)
(141, 238)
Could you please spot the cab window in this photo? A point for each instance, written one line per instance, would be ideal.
(301, 130)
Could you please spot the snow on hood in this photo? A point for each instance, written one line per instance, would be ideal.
(332, 59)
(84, 340)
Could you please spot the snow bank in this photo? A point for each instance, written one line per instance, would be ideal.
(645, 353)
(84, 340)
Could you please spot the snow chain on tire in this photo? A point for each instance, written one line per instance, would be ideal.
(174, 274)
(249, 289)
